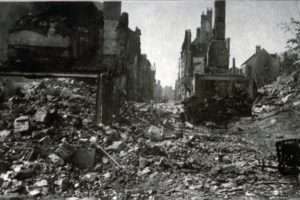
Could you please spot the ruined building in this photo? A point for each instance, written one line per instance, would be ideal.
(234, 69)
(134, 53)
(158, 91)
(140, 74)
(194, 56)
(204, 63)
(185, 66)
(146, 80)
(261, 68)
(88, 38)
(218, 52)
(168, 93)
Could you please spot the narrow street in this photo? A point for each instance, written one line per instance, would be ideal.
(149, 100)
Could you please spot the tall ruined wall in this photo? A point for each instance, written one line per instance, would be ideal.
(206, 27)
(134, 52)
(186, 62)
(262, 67)
(219, 24)
(145, 86)
(218, 52)
(201, 43)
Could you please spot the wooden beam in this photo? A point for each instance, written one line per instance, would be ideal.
(98, 115)
(104, 99)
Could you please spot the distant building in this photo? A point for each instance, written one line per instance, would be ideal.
(204, 62)
(146, 80)
(177, 90)
(234, 69)
(140, 72)
(168, 93)
(158, 91)
(185, 65)
(193, 58)
(262, 67)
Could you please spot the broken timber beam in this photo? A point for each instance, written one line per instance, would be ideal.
(104, 99)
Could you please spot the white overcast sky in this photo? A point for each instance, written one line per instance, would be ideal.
(248, 23)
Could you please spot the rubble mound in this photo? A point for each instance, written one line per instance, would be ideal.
(282, 94)
(219, 110)
(51, 149)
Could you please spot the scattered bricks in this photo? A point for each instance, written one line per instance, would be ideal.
(45, 140)
(34, 193)
(41, 183)
(116, 146)
(189, 125)
(90, 177)
(229, 169)
(4, 166)
(55, 159)
(168, 133)
(25, 174)
(54, 117)
(12, 196)
(41, 116)
(154, 133)
(4, 135)
(41, 133)
(59, 182)
(72, 198)
(226, 159)
(154, 149)
(111, 135)
(77, 123)
(47, 117)
(84, 158)
(21, 124)
(65, 150)
(142, 162)
(144, 171)
(34, 154)
(105, 160)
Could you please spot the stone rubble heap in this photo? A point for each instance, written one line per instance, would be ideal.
(280, 95)
(51, 149)
(219, 110)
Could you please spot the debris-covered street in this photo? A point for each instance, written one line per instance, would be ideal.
(149, 100)
(51, 149)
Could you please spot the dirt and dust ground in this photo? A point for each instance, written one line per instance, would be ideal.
(161, 157)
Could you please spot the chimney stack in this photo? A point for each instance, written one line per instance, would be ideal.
(233, 63)
(198, 33)
(258, 48)
(209, 15)
(219, 29)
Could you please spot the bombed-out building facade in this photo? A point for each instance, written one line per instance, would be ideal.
(79, 37)
(204, 62)
(260, 69)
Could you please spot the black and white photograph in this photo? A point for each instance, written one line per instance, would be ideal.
(150, 99)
